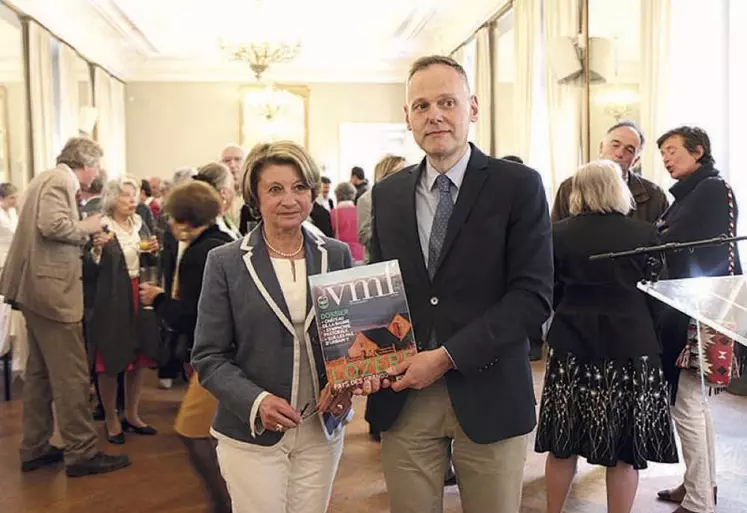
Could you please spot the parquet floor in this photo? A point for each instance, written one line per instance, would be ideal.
(160, 479)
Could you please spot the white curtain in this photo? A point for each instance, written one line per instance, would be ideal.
(459, 55)
(109, 100)
(484, 91)
(655, 69)
(41, 97)
(527, 22)
(117, 143)
(561, 20)
(69, 93)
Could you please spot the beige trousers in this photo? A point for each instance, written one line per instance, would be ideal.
(57, 371)
(293, 476)
(415, 456)
(692, 419)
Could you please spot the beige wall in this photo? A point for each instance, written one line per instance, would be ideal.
(176, 124)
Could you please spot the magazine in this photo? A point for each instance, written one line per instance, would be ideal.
(363, 321)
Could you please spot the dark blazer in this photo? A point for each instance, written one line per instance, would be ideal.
(180, 314)
(146, 214)
(701, 210)
(114, 328)
(92, 206)
(320, 216)
(244, 339)
(599, 311)
(650, 199)
(493, 285)
(247, 220)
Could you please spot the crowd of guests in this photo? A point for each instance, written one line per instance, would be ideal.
(206, 277)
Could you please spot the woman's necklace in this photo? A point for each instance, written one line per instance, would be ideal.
(290, 256)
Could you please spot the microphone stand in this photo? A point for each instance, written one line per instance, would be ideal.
(655, 254)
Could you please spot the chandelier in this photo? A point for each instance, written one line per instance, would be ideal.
(261, 54)
(265, 43)
(269, 103)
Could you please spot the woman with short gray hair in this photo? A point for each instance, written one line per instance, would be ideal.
(605, 396)
(344, 218)
(115, 326)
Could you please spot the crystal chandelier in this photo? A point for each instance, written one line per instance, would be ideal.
(261, 54)
(265, 45)
(269, 103)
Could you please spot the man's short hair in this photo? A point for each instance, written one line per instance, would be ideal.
(326, 180)
(629, 124)
(145, 188)
(692, 137)
(358, 173)
(432, 60)
(7, 189)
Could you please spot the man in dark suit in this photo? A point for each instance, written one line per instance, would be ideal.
(473, 239)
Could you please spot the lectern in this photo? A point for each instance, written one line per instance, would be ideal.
(719, 302)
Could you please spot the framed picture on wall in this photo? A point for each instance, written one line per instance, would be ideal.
(4, 144)
(274, 113)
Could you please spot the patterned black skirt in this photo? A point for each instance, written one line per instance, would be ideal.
(606, 411)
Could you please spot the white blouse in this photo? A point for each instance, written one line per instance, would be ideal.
(128, 237)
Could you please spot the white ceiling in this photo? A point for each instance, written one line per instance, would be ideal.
(342, 40)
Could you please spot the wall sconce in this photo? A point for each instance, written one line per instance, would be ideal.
(617, 103)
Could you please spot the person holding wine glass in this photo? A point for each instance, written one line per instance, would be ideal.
(115, 331)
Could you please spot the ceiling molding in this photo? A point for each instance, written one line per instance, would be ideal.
(124, 26)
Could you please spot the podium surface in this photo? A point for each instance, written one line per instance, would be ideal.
(719, 302)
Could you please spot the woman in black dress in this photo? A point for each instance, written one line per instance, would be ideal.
(605, 397)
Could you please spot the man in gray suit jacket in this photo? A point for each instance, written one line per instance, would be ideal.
(42, 276)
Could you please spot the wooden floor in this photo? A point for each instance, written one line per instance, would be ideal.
(160, 479)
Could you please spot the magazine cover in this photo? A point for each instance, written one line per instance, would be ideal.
(363, 320)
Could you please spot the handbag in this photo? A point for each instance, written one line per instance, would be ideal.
(720, 364)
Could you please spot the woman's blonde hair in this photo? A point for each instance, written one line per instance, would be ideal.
(388, 165)
(113, 189)
(599, 187)
(277, 153)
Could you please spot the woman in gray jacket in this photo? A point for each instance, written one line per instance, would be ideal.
(257, 347)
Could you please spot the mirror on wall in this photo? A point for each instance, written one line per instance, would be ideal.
(615, 42)
(14, 154)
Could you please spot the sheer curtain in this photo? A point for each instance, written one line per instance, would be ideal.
(41, 97)
(561, 20)
(69, 94)
(484, 91)
(527, 21)
(109, 100)
(117, 143)
(655, 72)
